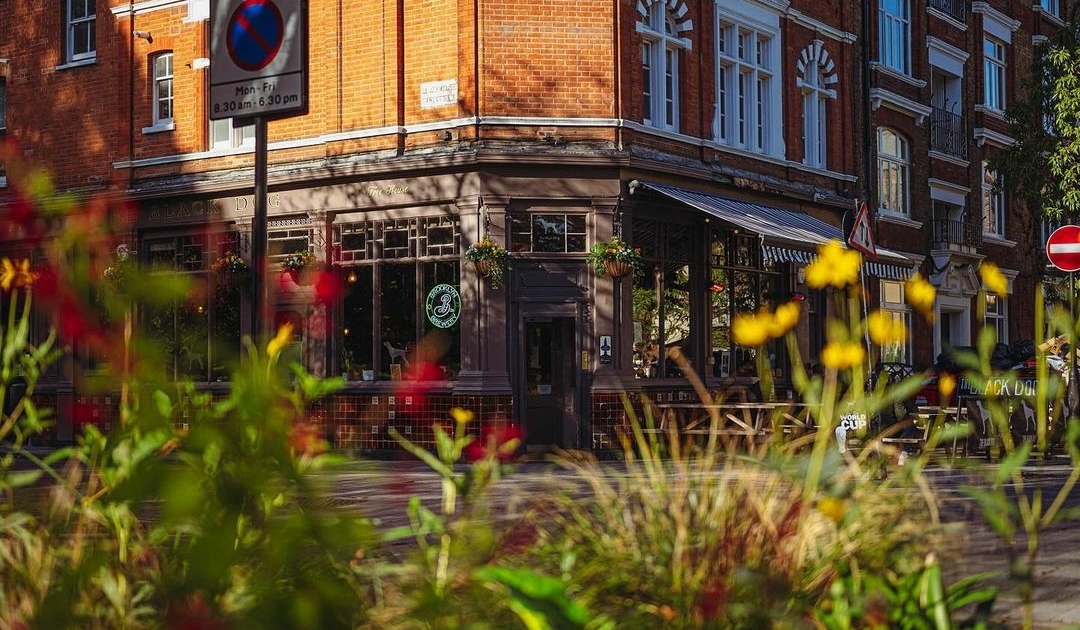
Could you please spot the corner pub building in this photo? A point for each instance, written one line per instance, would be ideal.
(725, 140)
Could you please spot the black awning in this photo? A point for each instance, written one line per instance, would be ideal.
(787, 236)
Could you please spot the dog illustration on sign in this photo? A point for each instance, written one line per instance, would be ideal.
(396, 353)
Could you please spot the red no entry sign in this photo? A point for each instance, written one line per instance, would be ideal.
(1063, 248)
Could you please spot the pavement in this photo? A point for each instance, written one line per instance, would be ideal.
(1057, 566)
(382, 491)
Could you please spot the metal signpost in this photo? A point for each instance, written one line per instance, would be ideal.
(258, 70)
(1063, 250)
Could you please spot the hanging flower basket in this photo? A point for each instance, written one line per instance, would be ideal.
(616, 259)
(617, 268)
(490, 260)
(297, 264)
(232, 273)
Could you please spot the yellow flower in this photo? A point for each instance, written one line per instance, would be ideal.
(750, 330)
(946, 385)
(784, 319)
(993, 279)
(921, 295)
(833, 508)
(280, 340)
(461, 415)
(15, 274)
(842, 355)
(884, 329)
(835, 266)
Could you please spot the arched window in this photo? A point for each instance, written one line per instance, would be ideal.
(893, 170)
(815, 76)
(660, 45)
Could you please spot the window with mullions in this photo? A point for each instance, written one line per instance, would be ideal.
(993, 198)
(660, 48)
(163, 89)
(893, 166)
(80, 23)
(741, 282)
(662, 298)
(548, 233)
(996, 317)
(225, 135)
(994, 74)
(283, 239)
(894, 40)
(390, 267)
(748, 61)
(199, 335)
(894, 304)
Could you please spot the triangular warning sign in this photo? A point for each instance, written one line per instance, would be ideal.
(862, 234)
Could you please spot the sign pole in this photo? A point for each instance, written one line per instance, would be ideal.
(1074, 388)
(258, 238)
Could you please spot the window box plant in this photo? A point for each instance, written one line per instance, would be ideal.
(491, 260)
(614, 258)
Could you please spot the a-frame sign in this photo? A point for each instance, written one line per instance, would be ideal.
(861, 236)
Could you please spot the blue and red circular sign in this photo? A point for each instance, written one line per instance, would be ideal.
(254, 34)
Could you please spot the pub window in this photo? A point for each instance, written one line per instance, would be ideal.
(662, 302)
(547, 233)
(286, 239)
(742, 281)
(390, 266)
(199, 334)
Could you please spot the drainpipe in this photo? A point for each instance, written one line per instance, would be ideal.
(131, 96)
(868, 133)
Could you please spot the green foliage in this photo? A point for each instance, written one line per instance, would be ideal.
(1041, 166)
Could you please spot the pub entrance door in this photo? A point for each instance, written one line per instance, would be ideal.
(550, 385)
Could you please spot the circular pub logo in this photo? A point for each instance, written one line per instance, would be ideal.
(443, 305)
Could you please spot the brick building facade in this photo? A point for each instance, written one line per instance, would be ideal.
(724, 139)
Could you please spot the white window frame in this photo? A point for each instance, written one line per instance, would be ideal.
(660, 48)
(198, 10)
(72, 24)
(994, 66)
(996, 316)
(748, 99)
(993, 204)
(1053, 7)
(893, 167)
(239, 137)
(894, 304)
(162, 86)
(894, 35)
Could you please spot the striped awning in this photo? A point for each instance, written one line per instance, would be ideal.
(787, 236)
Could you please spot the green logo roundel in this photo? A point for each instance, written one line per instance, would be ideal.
(443, 305)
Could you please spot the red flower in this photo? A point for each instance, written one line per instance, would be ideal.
(328, 286)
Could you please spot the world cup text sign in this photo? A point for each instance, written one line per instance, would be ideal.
(1063, 248)
(258, 64)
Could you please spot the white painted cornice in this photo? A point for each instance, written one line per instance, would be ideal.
(145, 7)
(918, 111)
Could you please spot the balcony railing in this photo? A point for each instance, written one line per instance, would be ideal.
(947, 133)
(954, 8)
(950, 232)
